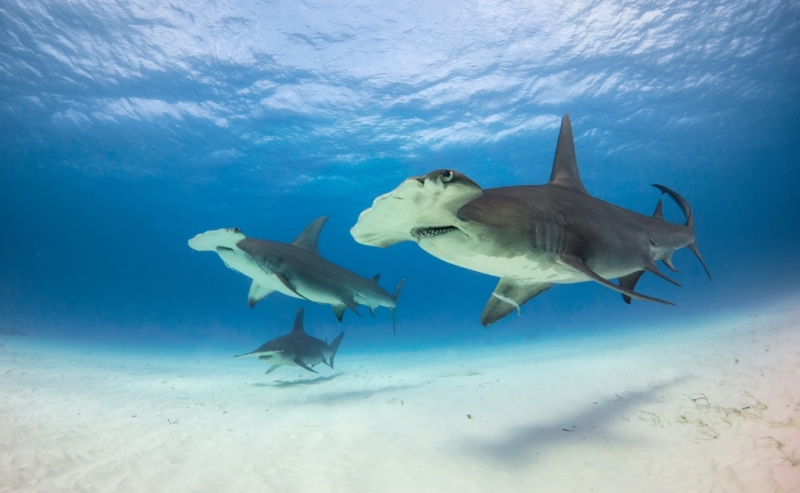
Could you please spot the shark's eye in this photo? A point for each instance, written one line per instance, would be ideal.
(447, 175)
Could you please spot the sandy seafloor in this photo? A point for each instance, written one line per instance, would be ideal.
(712, 406)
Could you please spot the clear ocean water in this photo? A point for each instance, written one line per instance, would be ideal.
(126, 128)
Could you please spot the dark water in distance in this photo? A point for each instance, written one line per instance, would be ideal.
(127, 128)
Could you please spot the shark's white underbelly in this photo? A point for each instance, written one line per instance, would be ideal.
(237, 260)
(519, 267)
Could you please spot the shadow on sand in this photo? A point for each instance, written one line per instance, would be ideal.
(334, 397)
(298, 383)
(330, 398)
(520, 444)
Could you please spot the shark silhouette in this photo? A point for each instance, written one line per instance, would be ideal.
(296, 269)
(529, 236)
(296, 348)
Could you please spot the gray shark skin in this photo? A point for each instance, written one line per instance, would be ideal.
(296, 348)
(296, 269)
(529, 236)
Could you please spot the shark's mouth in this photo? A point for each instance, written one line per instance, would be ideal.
(431, 231)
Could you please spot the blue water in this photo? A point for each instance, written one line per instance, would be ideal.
(128, 127)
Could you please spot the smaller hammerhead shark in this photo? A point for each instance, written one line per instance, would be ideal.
(296, 348)
(296, 269)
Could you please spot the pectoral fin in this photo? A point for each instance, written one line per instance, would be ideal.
(300, 363)
(262, 355)
(257, 293)
(352, 305)
(285, 281)
(577, 264)
(509, 295)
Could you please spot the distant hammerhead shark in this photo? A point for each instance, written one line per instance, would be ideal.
(296, 348)
(296, 269)
(529, 236)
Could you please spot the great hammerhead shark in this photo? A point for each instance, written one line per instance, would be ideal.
(296, 269)
(529, 236)
(296, 348)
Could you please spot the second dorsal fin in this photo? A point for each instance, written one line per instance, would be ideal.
(659, 212)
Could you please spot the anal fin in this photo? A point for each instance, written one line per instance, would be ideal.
(509, 295)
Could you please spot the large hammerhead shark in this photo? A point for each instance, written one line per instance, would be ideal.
(529, 236)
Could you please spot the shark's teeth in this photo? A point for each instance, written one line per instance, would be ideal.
(431, 231)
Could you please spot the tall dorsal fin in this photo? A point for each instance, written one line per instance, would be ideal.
(376, 278)
(298, 323)
(309, 238)
(565, 165)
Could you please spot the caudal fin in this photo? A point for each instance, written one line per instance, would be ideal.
(687, 211)
(395, 297)
(693, 248)
(335, 347)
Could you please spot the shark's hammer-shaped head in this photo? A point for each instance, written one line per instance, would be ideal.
(225, 243)
(421, 208)
(212, 241)
(278, 352)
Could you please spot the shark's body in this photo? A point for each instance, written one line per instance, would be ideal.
(295, 269)
(529, 236)
(296, 348)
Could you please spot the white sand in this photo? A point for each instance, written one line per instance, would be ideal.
(709, 408)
